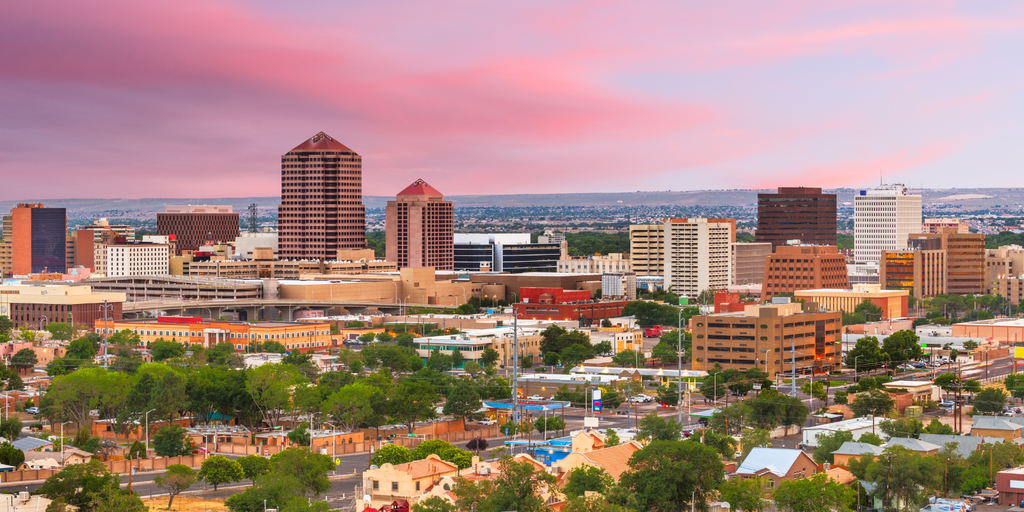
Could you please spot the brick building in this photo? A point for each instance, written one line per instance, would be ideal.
(419, 228)
(560, 304)
(38, 237)
(965, 258)
(796, 213)
(803, 267)
(764, 336)
(196, 226)
(321, 207)
(33, 306)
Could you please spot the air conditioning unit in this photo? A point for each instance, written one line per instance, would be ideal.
(484, 471)
(23, 496)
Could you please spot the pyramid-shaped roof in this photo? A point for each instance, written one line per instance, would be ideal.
(420, 188)
(321, 142)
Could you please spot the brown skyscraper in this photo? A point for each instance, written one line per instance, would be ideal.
(321, 207)
(420, 228)
(194, 226)
(796, 213)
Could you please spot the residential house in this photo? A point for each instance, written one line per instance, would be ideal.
(66, 458)
(776, 465)
(965, 445)
(851, 450)
(914, 445)
(856, 426)
(614, 459)
(33, 444)
(995, 426)
(406, 481)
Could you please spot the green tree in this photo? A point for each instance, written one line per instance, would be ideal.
(11, 428)
(310, 469)
(271, 490)
(434, 504)
(516, 487)
(603, 348)
(112, 499)
(744, 494)
(587, 478)
(457, 358)
(489, 356)
(10, 455)
(219, 470)
(770, 408)
(413, 401)
(756, 438)
(901, 475)
(989, 400)
(60, 331)
(164, 350)
(463, 401)
(937, 427)
(813, 494)
(656, 428)
(6, 326)
(79, 484)
(902, 346)
(24, 359)
(300, 435)
(665, 476)
(871, 312)
(970, 345)
(828, 443)
(901, 427)
(629, 358)
(391, 454)
(869, 438)
(171, 441)
(222, 354)
(254, 466)
(350, 406)
(71, 397)
(866, 355)
(461, 458)
(612, 438)
(550, 424)
(300, 504)
(80, 351)
(872, 403)
(269, 386)
(666, 353)
(177, 478)
(473, 368)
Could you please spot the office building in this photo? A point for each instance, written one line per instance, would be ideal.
(596, 264)
(698, 254)
(647, 249)
(893, 303)
(503, 252)
(965, 258)
(883, 220)
(618, 285)
(551, 237)
(195, 226)
(321, 207)
(1006, 261)
(419, 228)
(921, 270)
(933, 225)
(796, 213)
(35, 305)
(764, 336)
(803, 267)
(247, 243)
(198, 331)
(38, 239)
(748, 262)
(559, 304)
(138, 259)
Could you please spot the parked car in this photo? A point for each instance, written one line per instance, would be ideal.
(534, 397)
(488, 421)
(32, 410)
(645, 398)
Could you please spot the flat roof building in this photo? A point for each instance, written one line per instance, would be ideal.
(883, 220)
(197, 225)
(893, 303)
(933, 225)
(748, 262)
(796, 213)
(34, 305)
(504, 252)
(197, 331)
(965, 258)
(803, 267)
(698, 254)
(647, 249)
(38, 238)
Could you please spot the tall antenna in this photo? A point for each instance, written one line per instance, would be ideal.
(252, 218)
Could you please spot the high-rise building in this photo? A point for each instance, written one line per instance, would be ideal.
(195, 226)
(764, 336)
(921, 271)
(138, 259)
(1006, 261)
(748, 262)
(419, 228)
(321, 207)
(965, 258)
(647, 249)
(932, 225)
(883, 219)
(6, 246)
(38, 239)
(504, 252)
(796, 213)
(698, 254)
(803, 267)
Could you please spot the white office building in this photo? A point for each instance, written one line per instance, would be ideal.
(698, 255)
(140, 259)
(883, 220)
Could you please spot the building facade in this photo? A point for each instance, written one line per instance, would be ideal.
(698, 254)
(965, 258)
(1005, 262)
(139, 259)
(419, 228)
(321, 207)
(197, 331)
(618, 285)
(802, 267)
(933, 225)
(196, 226)
(503, 252)
(922, 272)
(647, 249)
(596, 264)
(893, 303)
(35, 305)
(748, 262)
(6, 246)
(764, 336)
(38, 239)
(796, 213)
(883, 220)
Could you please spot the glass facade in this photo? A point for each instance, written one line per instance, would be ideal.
(49, 239)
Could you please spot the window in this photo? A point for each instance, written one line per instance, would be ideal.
(394, 486)
(417, 486)
(376, 485)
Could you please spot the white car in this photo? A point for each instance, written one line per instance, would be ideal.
(534, 397)
(645, 398)
(488, 421)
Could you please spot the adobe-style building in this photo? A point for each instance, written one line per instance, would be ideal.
(804, 267)
(419, 228)
(764, 336)
(796, 213)
(300, 336)
(321, 207)
(196, 226)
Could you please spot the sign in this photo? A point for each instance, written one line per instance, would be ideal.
(757, 386)
(597, 401)
(1018, 352)
(490, 311)
(924, 345)
(683, 301)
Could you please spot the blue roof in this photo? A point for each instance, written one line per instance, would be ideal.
(535, 405)
(27, 444)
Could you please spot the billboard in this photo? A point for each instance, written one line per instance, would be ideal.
(597, 401)
(1018, 352)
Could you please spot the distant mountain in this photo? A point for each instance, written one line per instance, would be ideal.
(968, 198)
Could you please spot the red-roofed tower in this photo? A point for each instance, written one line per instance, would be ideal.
(321, 207)
(420, 228)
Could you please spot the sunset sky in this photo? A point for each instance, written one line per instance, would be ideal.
(193, 98)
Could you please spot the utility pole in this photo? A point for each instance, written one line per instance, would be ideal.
(106, 357)
(793, 355)
(679, 368)
(515, 359)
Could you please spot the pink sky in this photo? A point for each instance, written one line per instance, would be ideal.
(201, 98)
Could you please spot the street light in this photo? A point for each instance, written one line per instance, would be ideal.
(62, 442)
(147, 432)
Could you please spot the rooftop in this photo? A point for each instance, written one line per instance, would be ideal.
(321, 142)
(420, 188)
(778, 461)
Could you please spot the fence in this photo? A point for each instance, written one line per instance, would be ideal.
(115, 466)
(451, 437)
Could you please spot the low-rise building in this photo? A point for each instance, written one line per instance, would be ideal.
(999, 330)
(596, 264)
(893, 303)
(919, 389)
(406, 481)
(995, 426)
(34, 305)
(856, 426)
(614, 459)
(776, 465)
(853, 450)
(301, 336)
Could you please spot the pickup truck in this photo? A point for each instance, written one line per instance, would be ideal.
(534, 397)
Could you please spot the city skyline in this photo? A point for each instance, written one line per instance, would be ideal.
(480, 99)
